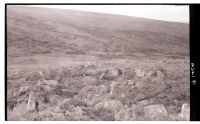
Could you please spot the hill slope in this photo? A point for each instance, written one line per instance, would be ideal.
(33, 31)
(78, 66)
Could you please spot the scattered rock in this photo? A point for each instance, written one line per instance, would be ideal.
(46, 86)
(75, 114)
(22, 99)
(110, 73)
(66, 101)
(158, 77)
(140, 84)
(102, 89)
(160, 74)
(151, 85)
(146, 102)
(155, 112)
(65, 105)
(51, 74)
(11, 104)
(45, 89)
(102, 76)
(139, 96)
(34, 76)
(15, 94)
(70, 91)
(93, 94)
(48, 115)
(51, 83)
(128, 114)
(140, 72)
(114, 72)
(114, 106)
(32, 104)
(131, 82)
(23, 90)
(45, 99)
(185, 112)
(174, 117)
(112, 86)
(149, 74)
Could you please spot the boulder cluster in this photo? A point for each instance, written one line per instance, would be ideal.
(98, 95)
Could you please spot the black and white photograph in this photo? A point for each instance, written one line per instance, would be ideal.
(97, 62)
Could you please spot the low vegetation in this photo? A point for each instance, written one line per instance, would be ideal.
(72, 65)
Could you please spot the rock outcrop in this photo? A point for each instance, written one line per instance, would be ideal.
(155, 112)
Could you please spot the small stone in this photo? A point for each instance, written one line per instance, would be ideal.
(23, 90)
(66, 101)
(112, 86)
(46, 88)
(32, 104)
(155, 112)
(15, 94)
(185, 112)
(160, 74)
(102, 76)
(174, 117)
(52, 83)
(130, 82)
(158, 77)
(115, 72)
(113, 106)
(75, 114)
(128, 114)
(110, 73)
(139, 96)
(140, 72)
(149, 74)
(140, 84)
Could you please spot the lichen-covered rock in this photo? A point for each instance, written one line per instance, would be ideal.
(32, 104)
(152, 85)
(75, 114)
(110, 73)
(128, 114)
(33, 76)
(155, 112)
(185, 112)
(114, 106)
(11, 104)
(174, 117)
(93, 94)
(131, 82)
(52, 83)
(46, 86)
(112, 86)
(158, 76)
(140, 72)
(23, 90)
(15, 93)
(48, 115)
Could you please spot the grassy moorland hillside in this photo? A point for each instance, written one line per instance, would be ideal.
(33, 31)
(73, 65)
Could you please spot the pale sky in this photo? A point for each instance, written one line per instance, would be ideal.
(160, 12)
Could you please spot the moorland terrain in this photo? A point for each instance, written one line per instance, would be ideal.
(75, 65)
